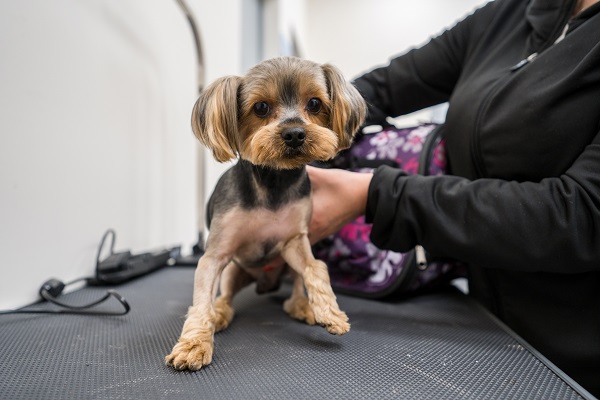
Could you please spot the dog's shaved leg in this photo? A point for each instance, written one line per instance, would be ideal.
(297, 253)
(233, 279)
(195, 346)
(297, 305)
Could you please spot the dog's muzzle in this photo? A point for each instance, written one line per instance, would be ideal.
(293, 137)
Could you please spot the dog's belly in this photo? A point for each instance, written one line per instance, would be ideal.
(255, 237)
(258, 254)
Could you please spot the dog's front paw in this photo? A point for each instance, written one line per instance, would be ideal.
(336, 323)
(190, 354)
(338, 328)
(298, 308)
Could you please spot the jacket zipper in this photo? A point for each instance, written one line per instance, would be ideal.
(524, 62)
(533, 56)
(475, 150)
(554, 38)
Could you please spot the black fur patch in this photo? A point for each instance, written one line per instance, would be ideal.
(288, 91)
(281, 185)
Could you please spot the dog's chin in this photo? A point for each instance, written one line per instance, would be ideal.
(289, 159)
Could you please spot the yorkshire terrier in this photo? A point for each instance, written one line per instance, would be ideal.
(283, 114)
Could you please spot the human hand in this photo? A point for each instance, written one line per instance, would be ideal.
(338, 197)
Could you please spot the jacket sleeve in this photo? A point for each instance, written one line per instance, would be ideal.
(552, 225)
(422, 77)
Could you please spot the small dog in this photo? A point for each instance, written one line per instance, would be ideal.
(286, 112)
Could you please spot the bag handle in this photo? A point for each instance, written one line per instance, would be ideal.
(431, 142)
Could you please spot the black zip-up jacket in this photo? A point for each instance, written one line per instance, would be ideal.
(522, 207)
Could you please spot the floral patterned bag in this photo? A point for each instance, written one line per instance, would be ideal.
(357, 266)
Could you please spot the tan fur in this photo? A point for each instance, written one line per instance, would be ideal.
(346, 102)
(263, 148)
(218, 131)
(225, 121)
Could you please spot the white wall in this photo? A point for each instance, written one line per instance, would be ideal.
(95, 101)
(358, 35)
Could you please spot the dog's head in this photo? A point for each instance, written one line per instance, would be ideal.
(285, 113)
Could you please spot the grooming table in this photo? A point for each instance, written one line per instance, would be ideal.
(436, 346)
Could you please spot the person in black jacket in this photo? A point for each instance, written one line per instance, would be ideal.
(522, 206)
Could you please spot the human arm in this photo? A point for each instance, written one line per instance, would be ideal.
(552, 225)
(339, 196)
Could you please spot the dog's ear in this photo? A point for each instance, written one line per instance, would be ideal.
(214, 118)
(348, 110)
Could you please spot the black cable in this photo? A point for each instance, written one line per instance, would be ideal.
(53, 288)
(101, 246)
(73, 310)
(46, 295)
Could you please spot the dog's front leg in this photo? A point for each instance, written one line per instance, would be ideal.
(195, 346)
(297, 253)
(233, 279)
(297, 305)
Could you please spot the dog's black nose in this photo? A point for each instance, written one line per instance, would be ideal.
(293, 137)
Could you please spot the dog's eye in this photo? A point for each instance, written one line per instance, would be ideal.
(313, 105)
(261, 109)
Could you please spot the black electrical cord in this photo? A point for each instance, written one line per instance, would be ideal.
(70, 309)
(101, 246)
(53, 288)
(78, 310)
(46, 294)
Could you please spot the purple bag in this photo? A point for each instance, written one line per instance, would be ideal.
(357, 266)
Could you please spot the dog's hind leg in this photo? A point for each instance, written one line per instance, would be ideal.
(297, 253)
(297, 305)
(195, 346)
(233, 279)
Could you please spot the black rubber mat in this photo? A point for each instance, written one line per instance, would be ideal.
(434, 346)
